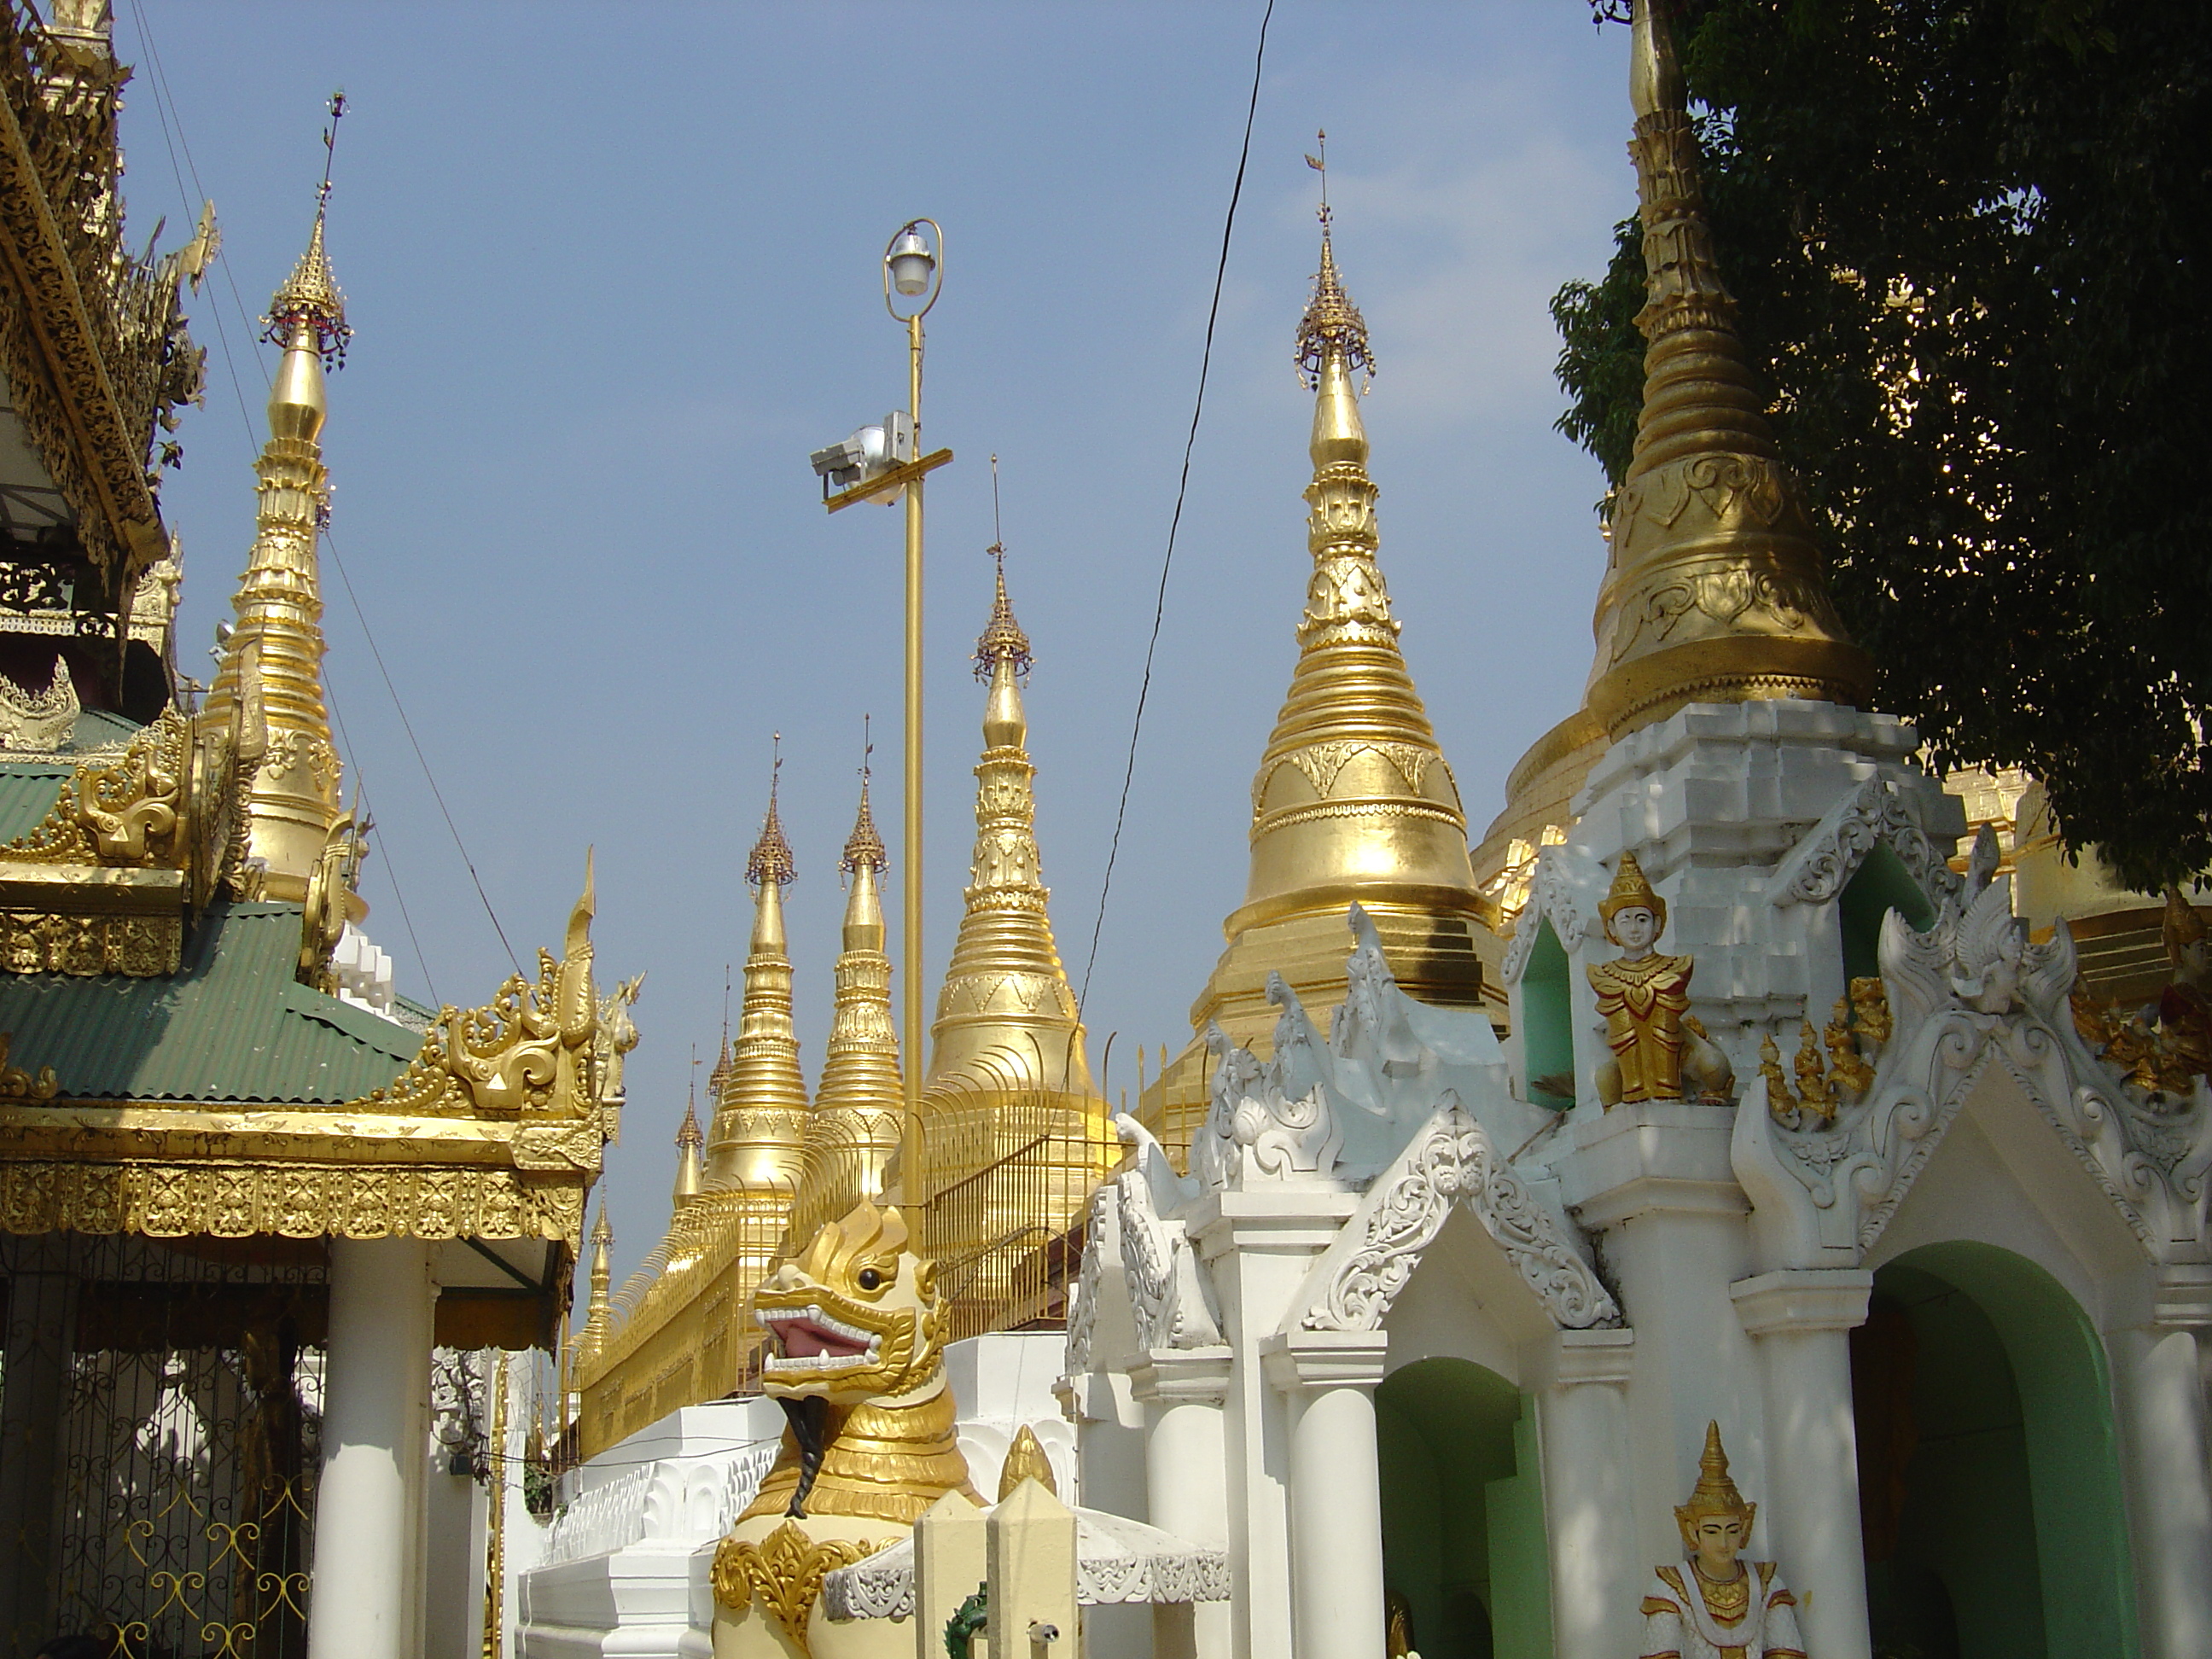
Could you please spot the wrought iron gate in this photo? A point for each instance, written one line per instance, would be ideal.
(179, 1446)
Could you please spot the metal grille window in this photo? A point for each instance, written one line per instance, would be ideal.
(161, 1408)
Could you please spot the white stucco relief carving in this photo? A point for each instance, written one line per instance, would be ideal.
(1452, 1161)
(1877, 813)
(1971, 992)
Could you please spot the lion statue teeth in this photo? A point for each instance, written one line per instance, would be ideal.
(856, 1331)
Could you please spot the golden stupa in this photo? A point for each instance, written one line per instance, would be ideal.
(1353, 800)
(853, 1131)
(678, 1334)
(1713, 590)
(272, 661)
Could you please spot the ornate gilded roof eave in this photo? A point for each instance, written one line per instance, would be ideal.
(1714, 590)
(497, 1130)
(134, 841)
(63, 342)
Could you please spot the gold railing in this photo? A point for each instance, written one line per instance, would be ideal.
(1010, 1176)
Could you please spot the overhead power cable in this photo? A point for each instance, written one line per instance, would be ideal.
(1175, 523)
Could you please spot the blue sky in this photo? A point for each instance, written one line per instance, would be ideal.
(613, 273)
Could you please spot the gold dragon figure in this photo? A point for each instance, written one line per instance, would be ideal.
(856, 1359)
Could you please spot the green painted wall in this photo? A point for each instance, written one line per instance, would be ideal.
(2013, 1499)
(1463, 1537)
(1880, 884)
(1547, 1034)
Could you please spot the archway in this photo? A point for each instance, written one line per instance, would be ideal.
(1463, 1540)
(1988, 1480)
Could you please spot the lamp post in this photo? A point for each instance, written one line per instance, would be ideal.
(885, 463)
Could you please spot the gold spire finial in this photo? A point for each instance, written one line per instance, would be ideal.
(1351, 797)
(771, 861)
(274, 658)
(1002, 639)
(759, 1121)
(1332, 324)
(1714, 590)
(310, 297)
(864, 846)
(596, 1310)
(688, 1140)
(1006, 1011)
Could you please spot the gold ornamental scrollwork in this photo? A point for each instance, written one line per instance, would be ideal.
(528, 1054)
(120, 811)
(784, 1573)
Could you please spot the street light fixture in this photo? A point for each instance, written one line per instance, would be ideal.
(885, 464)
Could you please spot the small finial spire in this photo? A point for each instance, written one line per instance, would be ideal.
(864, 846)
(1332, 324)
(310, 296)
(1003, 640)
(771, 859)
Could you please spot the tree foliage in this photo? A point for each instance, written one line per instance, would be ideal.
(1972, 244)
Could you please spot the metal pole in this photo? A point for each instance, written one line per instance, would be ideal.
(910, 1052)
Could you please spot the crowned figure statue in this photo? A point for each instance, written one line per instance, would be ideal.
(1712, 1605)
(1645, 998)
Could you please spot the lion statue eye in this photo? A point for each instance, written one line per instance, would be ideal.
(870, 1280)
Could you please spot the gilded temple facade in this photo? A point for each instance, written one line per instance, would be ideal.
(245, 1190)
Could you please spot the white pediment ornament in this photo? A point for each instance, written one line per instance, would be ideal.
(1450, 1161)
(1563, 889)
(1878, 813)
(1973, 991)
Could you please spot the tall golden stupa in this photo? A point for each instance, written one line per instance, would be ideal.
(273, 660)
(676, 1332)
(1353, 800)
(853, 1133)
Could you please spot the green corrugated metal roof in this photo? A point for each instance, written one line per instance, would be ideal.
(28, 790)
(232, 1024)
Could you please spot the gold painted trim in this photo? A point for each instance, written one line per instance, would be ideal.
(237, 1200)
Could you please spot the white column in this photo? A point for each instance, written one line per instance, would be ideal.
(1802, 1320)
(369, 1521)
(1336, 1489)
(1597, 1574)
(2157, 1374)
(1187, 1479)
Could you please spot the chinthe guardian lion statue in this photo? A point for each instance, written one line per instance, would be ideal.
(856, 1360)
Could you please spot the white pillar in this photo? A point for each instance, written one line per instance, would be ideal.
(1336, 1489)
(1187, 1481)
(369, 1521)
(2157, 1377)
(1598, 1575)
(1802, 1320)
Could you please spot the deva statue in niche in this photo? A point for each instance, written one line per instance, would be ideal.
(1712, 1605)
(1645, 998)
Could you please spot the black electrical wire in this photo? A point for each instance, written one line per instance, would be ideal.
(1167, 562)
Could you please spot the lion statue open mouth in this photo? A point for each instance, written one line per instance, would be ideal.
(855, 1317)
(856, 1333)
